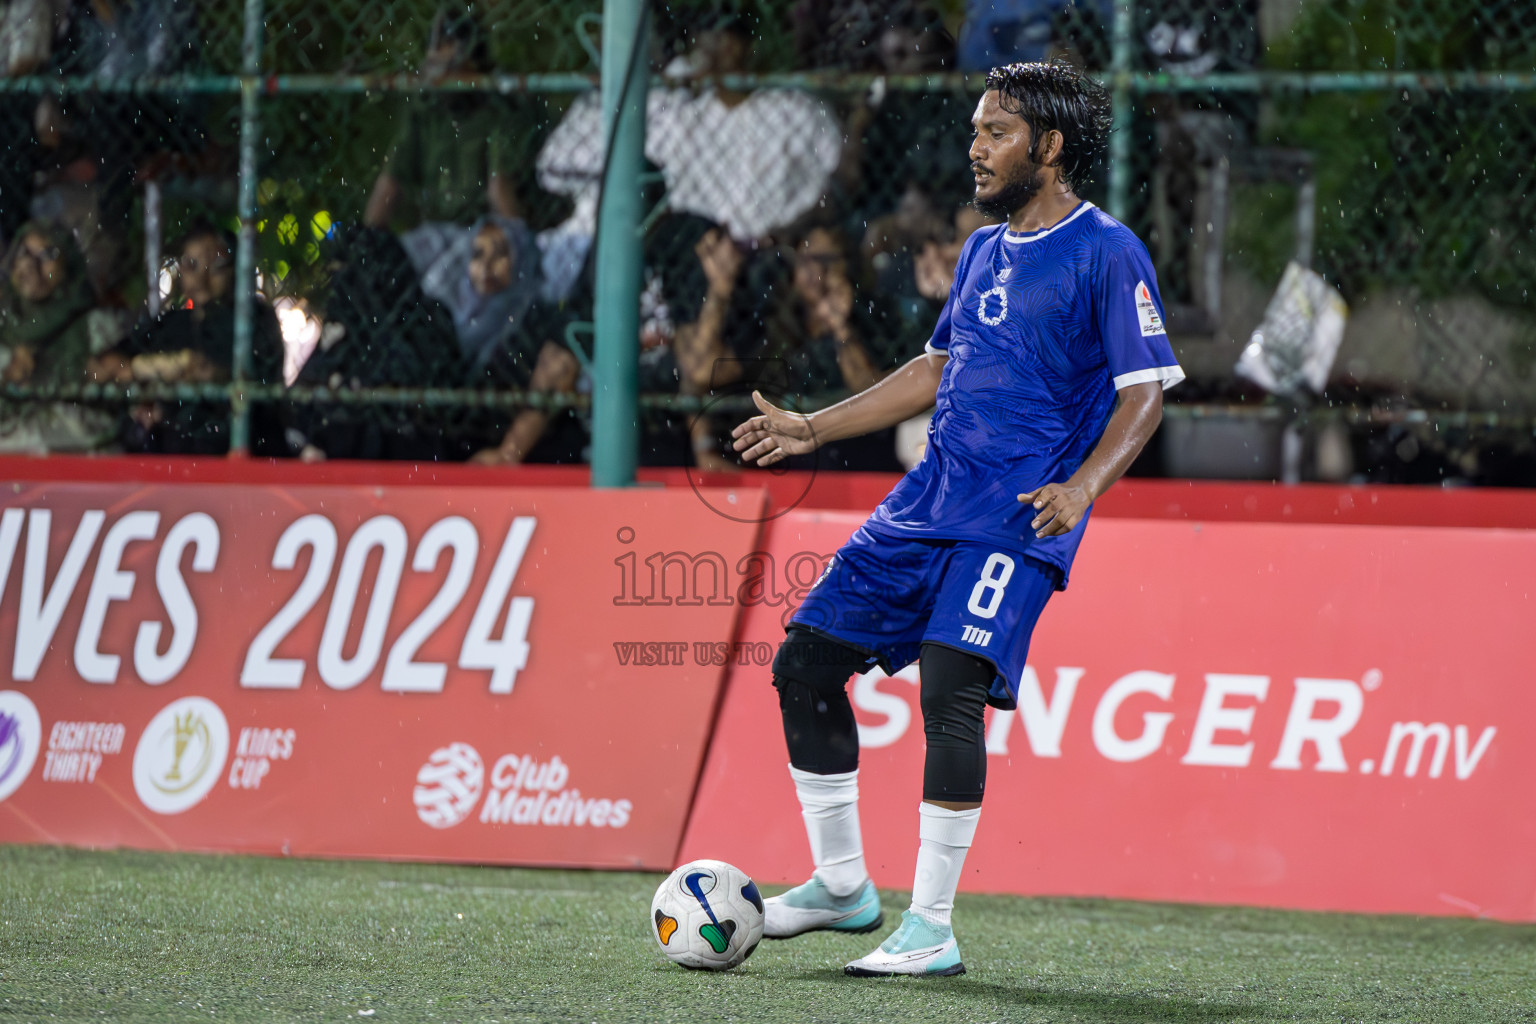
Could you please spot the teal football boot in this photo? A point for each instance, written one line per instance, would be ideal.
(810, 907)
(919, 947)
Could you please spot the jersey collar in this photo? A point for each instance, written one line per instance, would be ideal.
(1032, 236)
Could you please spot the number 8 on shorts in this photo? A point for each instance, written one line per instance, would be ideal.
(987, 595)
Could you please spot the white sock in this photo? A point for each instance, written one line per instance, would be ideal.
(943, 838)
(830, 806)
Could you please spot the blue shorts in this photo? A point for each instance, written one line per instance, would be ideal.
(886, 596)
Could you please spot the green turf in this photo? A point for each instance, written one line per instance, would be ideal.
(154, 937)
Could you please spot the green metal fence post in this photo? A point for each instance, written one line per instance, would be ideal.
(245, 248)
(615, 372)
(1120, 136)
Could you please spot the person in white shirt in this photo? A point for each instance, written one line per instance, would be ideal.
(752, 162)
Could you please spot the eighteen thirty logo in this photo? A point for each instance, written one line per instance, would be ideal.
(448, 785)
(21, 734)
(181, 755)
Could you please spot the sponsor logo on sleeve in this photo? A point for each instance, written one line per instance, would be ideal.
(1146, 312)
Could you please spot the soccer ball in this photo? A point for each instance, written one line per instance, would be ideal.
(707, 916)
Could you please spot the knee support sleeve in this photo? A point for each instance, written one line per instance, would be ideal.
(954, 697)
(811, 674)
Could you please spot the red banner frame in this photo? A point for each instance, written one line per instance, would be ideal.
(1187, 732)
(328, 671)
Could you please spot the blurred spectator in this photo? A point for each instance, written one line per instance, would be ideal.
(892, 242)
(26, 45)
(833, 339)
(83, 184)
(829, 353)
(493, 291)
(690, 343)
(46, 340)
(126, 38)
(901, 140)
(911, 162)
(700, 345)
(570, 164)
(752, 162)
(844, 35)
(452, 159)
(1003, 31)
(1195, 133)
(729, 320)
(194, 343)
(95, 144)
(934, 270)
(914, 139)
(705, 361)
(26, 35)
(381, 330)
(506, 340)
(918, 279)
(1196, 37)
(27, 29)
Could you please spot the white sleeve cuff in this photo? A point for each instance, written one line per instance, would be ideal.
(933, 351)
(1169, 375)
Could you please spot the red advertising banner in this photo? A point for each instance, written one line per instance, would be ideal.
(466, 674)
(1306, 716)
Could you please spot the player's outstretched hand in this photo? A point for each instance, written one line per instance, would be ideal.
(774, 436)
(1058, 508)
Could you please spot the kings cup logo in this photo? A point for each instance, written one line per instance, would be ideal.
(181, 755)
(21, 734)
(448, 785)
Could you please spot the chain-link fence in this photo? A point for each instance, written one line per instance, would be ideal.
(418, 183)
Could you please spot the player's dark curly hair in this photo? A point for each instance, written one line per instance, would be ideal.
(1054, 95)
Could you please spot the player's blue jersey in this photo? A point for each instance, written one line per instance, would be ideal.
(1041, 329)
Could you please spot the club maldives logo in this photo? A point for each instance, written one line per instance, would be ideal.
(181, 755)
(523, 791)
(448, 785)
(21, 734)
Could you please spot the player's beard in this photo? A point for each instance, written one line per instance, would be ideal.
(1016, 191)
